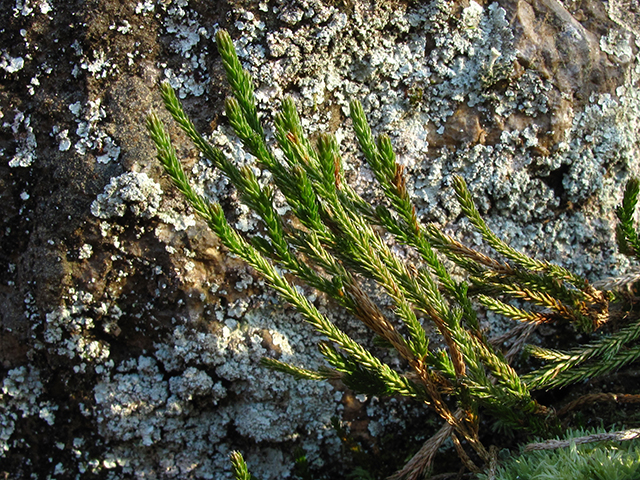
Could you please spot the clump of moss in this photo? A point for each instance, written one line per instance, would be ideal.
(591, 461)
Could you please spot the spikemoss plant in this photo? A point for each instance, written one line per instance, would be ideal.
(337, 243)
(239, 467)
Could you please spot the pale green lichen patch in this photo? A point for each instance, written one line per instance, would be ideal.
(130, 191)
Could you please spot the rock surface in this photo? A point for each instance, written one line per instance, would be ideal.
(129, 341)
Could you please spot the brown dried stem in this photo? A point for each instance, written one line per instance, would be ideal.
(620, 436)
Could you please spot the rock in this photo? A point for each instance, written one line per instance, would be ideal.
(129, 341)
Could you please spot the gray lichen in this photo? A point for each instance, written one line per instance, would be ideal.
(459, 90)
(134, 190)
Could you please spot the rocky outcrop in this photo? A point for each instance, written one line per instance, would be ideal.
(129, 340)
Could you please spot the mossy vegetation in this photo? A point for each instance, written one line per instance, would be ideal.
(340, 245)
(603, 460)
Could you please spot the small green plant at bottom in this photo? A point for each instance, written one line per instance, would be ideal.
(336, 242)
(239, 467)
(606, 459)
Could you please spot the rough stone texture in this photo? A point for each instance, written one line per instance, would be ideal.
(129, 341)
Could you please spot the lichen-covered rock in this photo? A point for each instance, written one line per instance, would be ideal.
(134, 190)
(130, 342)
